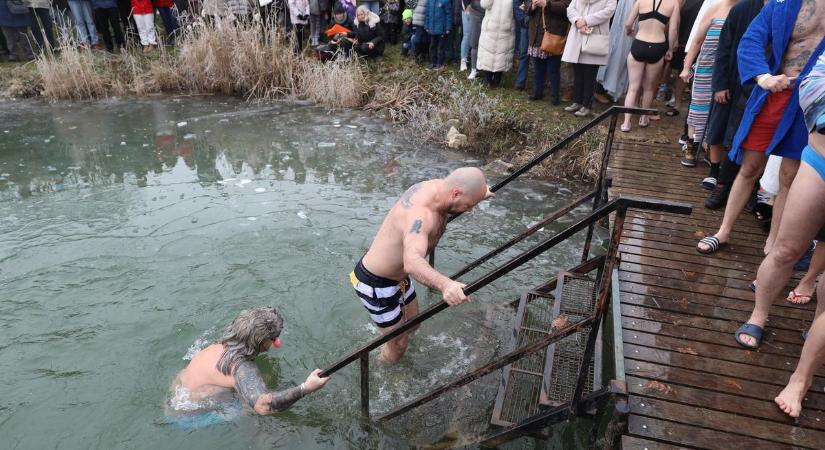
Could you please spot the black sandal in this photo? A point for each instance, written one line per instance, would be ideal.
(713, 244)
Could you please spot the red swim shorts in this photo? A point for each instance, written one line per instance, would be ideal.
(765, 123)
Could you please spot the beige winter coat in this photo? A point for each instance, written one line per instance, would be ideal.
(498, 38)
(597, 14)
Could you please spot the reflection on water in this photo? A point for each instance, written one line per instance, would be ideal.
(132, 231)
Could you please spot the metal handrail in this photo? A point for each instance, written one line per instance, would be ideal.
(613, 111)
(604, 211)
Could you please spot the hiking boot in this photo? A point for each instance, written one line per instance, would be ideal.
(573, 108)
(602, 98)
(718, 197)
(683, 139)
(688, 158)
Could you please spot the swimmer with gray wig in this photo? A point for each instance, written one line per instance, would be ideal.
(229, 364)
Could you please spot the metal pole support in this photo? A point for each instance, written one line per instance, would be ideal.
(365, 384)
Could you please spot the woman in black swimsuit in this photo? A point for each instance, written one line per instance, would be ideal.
(653, 44)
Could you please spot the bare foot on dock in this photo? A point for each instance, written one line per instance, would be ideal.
(790, 399)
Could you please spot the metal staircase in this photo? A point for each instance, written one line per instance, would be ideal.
(552, 367)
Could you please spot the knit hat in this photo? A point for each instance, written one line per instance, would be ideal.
(407, 14)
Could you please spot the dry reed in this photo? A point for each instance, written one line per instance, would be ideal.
(230, 58)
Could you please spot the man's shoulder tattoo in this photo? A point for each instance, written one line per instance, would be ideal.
(416, 226)
(406, 197)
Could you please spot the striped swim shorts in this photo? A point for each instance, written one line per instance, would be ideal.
(382, 297)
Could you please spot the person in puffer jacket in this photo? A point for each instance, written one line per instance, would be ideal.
(144, 14)
(438, 23)
(368, 34)
(299, 15)
(497, 41)
(391, 20)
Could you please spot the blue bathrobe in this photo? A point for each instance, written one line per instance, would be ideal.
(772, 28)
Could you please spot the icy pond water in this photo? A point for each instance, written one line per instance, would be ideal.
(132, 231)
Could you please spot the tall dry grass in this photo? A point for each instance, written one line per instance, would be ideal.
(228, 57)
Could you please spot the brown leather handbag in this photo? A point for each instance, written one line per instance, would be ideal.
(552, 44)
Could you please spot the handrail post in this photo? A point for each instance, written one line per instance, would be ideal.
(365, 384)
(605, 282)
(601, 196)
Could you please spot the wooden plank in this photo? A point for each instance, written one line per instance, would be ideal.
(735, 390)
(637, 293)
(711, 366)
(733, 404)
(726, 422)
(727, 254)
(678, 433)
(635, 443)
(704, 329)
(786, 363)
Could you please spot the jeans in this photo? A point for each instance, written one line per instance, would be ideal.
(373, 6)
(465, 35)
(541, 69)
(584, 81)
(84, 22)
(438, 49)
(521, 51)
(170, 22)
(42, 27)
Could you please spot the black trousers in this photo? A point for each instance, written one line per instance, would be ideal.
(42, 27)
(727, 171)
(584, 82)
(493, 78)
(104, 17)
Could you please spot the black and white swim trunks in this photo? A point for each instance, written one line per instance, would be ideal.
(382, 297)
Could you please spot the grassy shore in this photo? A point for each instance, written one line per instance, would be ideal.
(233, 60)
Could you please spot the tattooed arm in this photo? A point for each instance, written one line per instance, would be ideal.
(416, 243)
(251, 387)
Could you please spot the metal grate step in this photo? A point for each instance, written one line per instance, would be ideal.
(576, 296)
(520, 387)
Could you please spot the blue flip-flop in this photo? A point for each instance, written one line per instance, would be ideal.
(754, 331)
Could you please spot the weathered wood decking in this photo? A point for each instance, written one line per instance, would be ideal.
(690, 384)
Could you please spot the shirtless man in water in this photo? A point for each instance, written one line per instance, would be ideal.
(409, 233)
(230, 364)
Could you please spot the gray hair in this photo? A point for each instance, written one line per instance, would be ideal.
(243, 339)
(363, 9)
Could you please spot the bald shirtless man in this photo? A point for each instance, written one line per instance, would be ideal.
(409, 233)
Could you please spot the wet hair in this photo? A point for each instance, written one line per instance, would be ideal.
(243, 339)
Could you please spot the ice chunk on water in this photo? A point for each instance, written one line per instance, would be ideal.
(244, 182)
(326, 144)
(122, 143)
(252, 218)
(47, 140)
(302, 215)
(260, 190)
(189, 136)
(182, 124)
(51, 168)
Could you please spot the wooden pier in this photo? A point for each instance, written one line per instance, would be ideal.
(690, 384)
